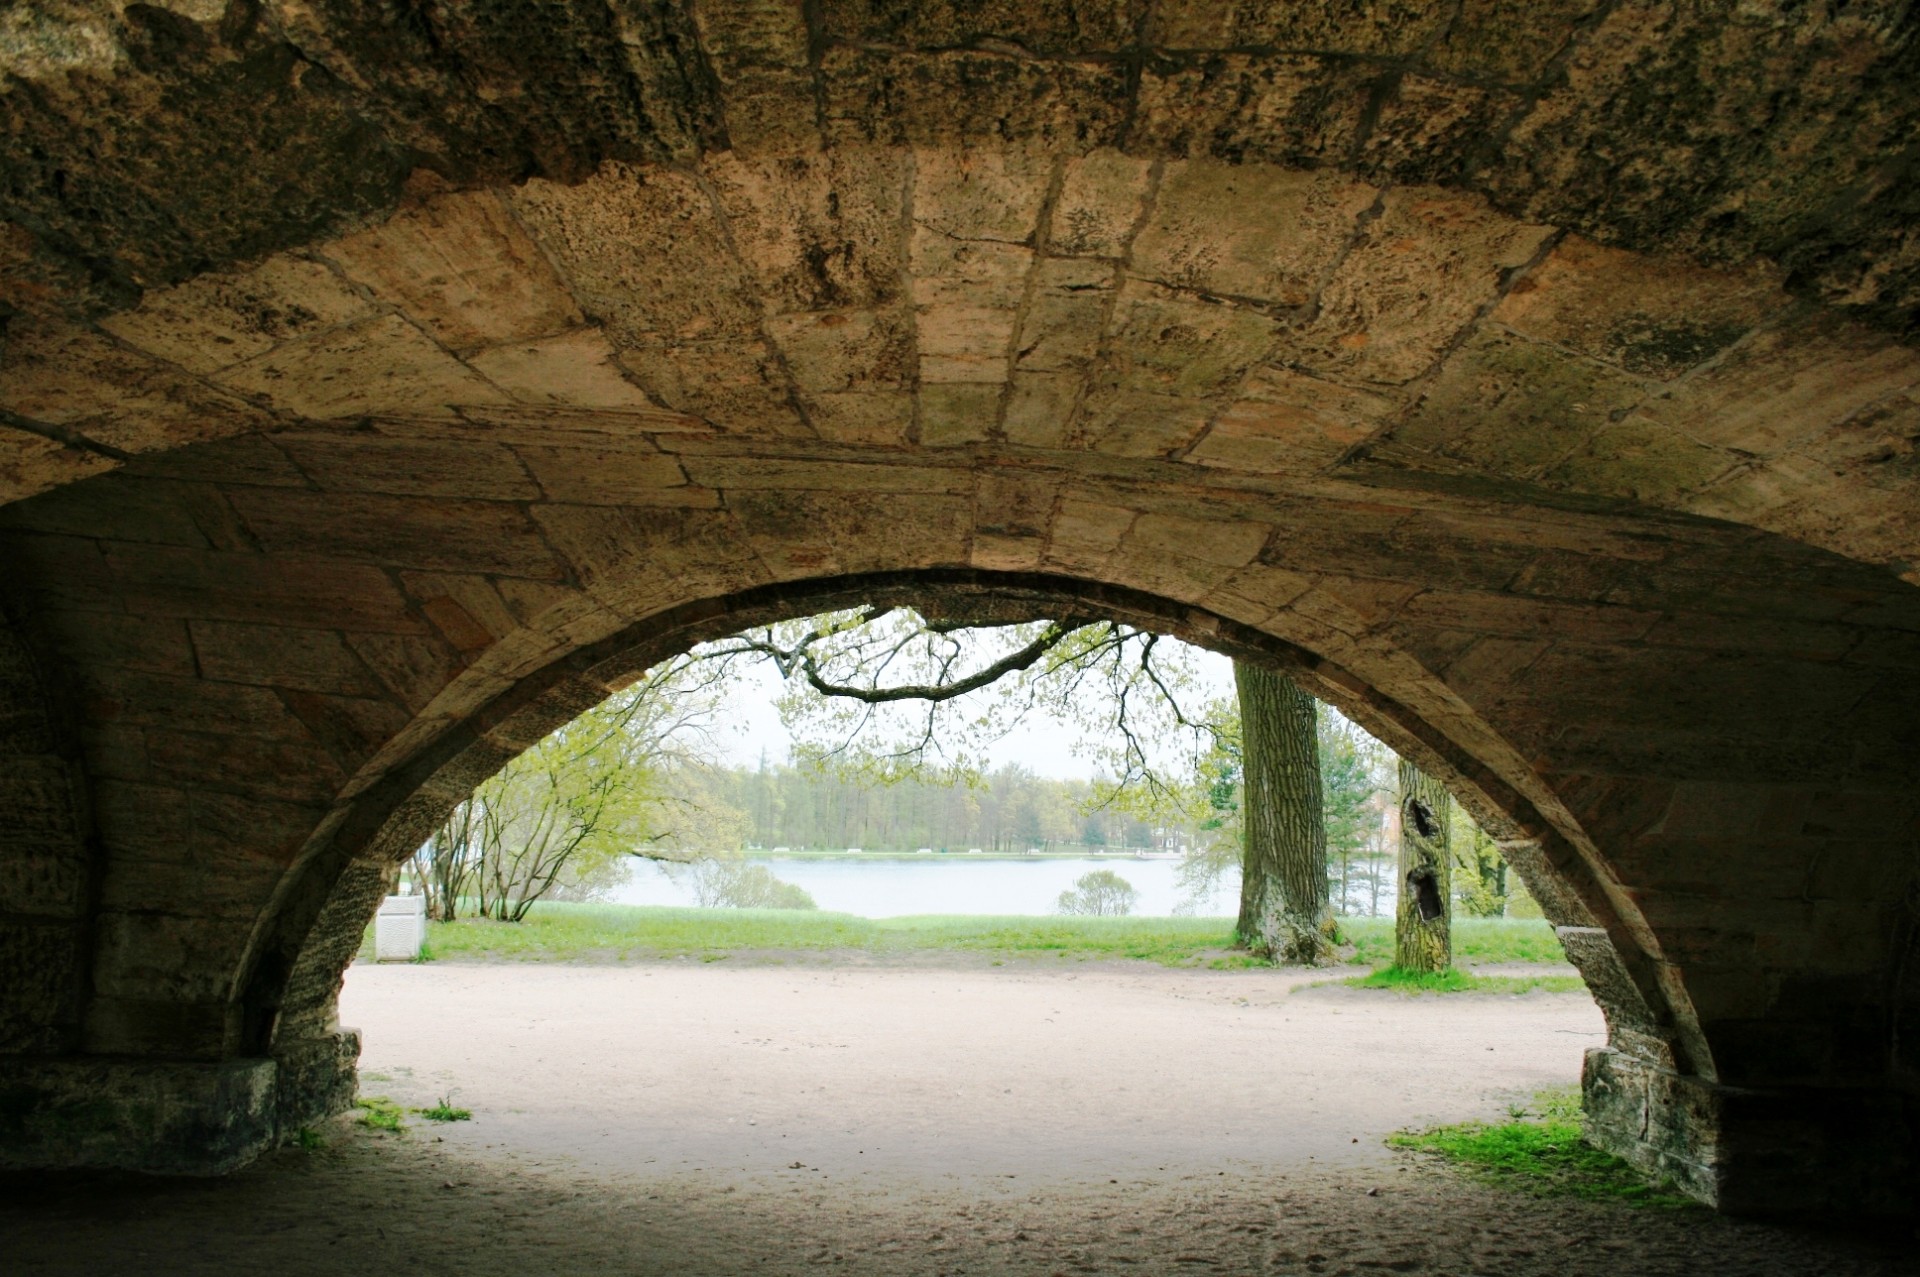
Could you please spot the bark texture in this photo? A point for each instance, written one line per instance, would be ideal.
(1283, 878)
(1423, 921)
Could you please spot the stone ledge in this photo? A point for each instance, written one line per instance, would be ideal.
(1776, 1152)
(167, 1117)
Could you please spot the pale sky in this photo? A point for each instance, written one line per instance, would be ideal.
(749, 723)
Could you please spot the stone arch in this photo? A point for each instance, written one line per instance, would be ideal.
(1506, 350)
(285, 695)
(307, 939)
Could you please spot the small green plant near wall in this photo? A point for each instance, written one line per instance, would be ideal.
(309, 1139)
(1453, 980)
(445, 1112)
(382, 1114)
(1540, 1152)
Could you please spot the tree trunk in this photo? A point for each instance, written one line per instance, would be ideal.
(1283, 869)
(1423, 930)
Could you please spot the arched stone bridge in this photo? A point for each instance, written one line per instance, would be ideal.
(382, 384)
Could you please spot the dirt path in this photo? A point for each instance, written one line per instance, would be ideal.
(686, 1118)
(935, 1075)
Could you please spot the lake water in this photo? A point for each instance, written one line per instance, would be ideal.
(885, 888)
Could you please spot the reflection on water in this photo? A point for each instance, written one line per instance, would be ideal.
(877, 888)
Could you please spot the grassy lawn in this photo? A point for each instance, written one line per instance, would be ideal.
(1540, 1152)
(559, 932)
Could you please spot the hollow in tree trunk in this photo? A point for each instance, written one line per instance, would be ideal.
(1423, 922)
(1283, 869)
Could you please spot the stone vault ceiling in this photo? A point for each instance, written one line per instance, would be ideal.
(1618, 254)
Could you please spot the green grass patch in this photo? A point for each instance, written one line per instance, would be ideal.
(444, 1111)
(1454, 980)
(309, 1139)
(556, 932)
(561, 932)
(1541, 1152)
(381, 1113)
(1475, 940)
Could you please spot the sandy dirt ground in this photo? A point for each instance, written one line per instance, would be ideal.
(689, 1118)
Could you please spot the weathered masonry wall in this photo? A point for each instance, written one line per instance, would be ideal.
(1537, 382)
(47, 869)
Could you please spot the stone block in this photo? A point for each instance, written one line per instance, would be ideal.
(1283, 108)
(40, 990)
(225, 318)
(1382, 28)
(401, 532)
(1065, 316)
(1050, 27)
(1418, 275)
(1507, 41)
(652, 557)
(379, 365)
(1014, 503)
(463, 269)
(574, 369)
(1841, 1152)
(31, 463)
(752, 473)
(1230, 545)
(1650, 317)
(322, 593)
(448, 466)
(155, 1116)
(1514, 407)
(954, 413)
(956, 97)
(41, 874)
(314, 1078)
(1137, 424)
(771, 111)
(846, 350)
(1786, 386)
(82, 381)
(1434, 130)
(1040, 409)
(612, 471)
(1286, 422)
(817, 232)
(986, 194)
(1643, 461)
(755, 33)
(1261, 234)
(734, 385)
(1102, 197)
(646, 254)
(883, 417)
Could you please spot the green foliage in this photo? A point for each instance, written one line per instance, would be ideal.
(732, 883)
(1101, 894)
(885, 695)
(309, 1139)
(1479, 870)
(561, 817)
(444, 1111)
(381, 1113)
(1542, 1152)
(1454, 980)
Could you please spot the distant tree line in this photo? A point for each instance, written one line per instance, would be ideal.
(1008, 809)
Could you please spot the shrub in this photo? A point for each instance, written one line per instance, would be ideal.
(734, 884)
(1103, 893)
